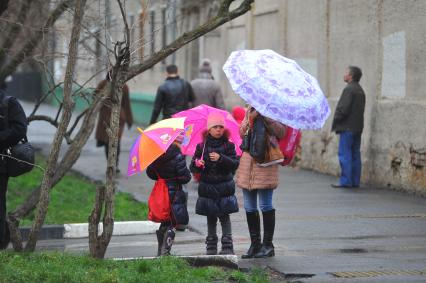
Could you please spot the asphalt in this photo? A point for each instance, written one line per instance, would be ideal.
(322, 234)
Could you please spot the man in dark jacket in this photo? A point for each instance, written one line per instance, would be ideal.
(348, 123)
(11, 132)
(173, 96)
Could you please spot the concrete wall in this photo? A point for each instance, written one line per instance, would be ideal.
(386, 39)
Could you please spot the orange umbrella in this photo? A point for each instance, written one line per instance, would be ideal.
(152, 143)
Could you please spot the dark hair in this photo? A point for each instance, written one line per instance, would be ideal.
(356, 73)
(172, 69)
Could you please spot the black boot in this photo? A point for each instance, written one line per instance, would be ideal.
(227, 245)
(253, 221)
(169, 237)
(267, 249)
(160, 237)
(211, 245)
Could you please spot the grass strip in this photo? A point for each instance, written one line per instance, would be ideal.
(71, 200)
(63, 267)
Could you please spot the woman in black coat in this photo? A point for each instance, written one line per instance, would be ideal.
(171, 166)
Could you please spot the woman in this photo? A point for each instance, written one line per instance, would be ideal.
(126, 116)
(259, 182)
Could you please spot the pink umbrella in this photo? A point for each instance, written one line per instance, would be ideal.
(196, 123)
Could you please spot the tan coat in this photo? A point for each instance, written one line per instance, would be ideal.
(251, 176)
(105, 114)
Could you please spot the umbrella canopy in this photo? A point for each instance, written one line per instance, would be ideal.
(277, 88)
(152, 143)
(196, 123)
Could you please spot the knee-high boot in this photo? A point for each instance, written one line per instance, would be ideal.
(267, 249)
(253, 222)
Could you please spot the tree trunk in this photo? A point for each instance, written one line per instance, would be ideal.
(99, 245)
(94, 219)
(60, 133)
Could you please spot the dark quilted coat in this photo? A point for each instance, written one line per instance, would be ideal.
(17, 125)
(172, 167)
(216, 189)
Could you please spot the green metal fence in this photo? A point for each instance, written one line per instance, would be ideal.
(141, 103)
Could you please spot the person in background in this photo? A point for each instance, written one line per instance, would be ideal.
(206, 90)
(173, 96)
(11, 132)
(126, 117)
(348, 123)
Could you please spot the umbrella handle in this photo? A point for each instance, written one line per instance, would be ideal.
(202, 154)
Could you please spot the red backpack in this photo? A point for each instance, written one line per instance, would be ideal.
(288, 144)
(159, 202)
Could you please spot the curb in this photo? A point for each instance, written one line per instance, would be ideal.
(229, 261)
(81, 230)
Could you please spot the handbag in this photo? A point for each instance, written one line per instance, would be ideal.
(159, 207)
(273, 153)
(19, 158)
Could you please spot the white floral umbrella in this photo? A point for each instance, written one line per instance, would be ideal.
(278, 88)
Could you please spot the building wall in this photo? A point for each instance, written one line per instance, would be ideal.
(386, 39)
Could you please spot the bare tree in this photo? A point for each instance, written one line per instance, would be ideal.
(121, 72)
(68, 105)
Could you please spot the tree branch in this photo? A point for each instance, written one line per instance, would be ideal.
(15, 29)
(31, 43)
(222, 17)
(3, 6)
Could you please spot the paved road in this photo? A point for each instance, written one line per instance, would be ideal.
(322, 234)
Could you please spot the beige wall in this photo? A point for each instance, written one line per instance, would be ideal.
(386, 39)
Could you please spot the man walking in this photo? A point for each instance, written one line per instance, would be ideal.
(173, 96)
(348, 122)
(206, 90)
(13, 128)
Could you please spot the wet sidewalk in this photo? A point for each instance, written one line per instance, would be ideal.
(322, 233)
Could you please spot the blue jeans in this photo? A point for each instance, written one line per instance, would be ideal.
(265, 200)
(350, 158)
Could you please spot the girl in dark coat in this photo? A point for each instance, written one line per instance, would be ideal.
(171, 166)
(216, 161)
